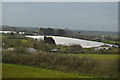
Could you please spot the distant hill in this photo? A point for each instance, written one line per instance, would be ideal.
(86, 32)
(16, 28)
(40, 31)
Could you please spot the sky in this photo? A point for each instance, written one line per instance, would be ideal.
(0, 13)
(60, 0)
(100, 16)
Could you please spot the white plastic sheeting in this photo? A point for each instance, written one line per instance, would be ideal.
(71, 41)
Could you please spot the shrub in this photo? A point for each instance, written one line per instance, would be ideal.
(76, 49)
(49, 40)
(68, 63)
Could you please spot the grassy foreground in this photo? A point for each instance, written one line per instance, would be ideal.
(18, 71)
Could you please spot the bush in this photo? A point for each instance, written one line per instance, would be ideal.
(68, 63)
(76, 49)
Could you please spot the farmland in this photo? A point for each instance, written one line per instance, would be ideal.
(60, 40)
(27, 71)
(89, 64)
(75, 58)
(98, 56)
(71, 41)
(11, 71)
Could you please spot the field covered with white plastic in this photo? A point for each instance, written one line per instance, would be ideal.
(71, 41)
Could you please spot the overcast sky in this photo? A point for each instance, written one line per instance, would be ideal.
(101, 16)
(0, 14)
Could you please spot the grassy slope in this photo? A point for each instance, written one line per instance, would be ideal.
(18, 71)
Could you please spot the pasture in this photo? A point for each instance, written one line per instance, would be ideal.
(19, 71)
(98, 56)
(96, 65)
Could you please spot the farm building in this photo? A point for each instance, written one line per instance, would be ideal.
(7, 32)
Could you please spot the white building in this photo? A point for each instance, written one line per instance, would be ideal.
(7, 32)
(21, 32)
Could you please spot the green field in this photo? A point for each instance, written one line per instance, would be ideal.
(2, 36)
(98, 56)
(18, 71)
(24, 40)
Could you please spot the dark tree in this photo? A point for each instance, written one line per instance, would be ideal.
(48, 31)
(49, 40)
(61, 32)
